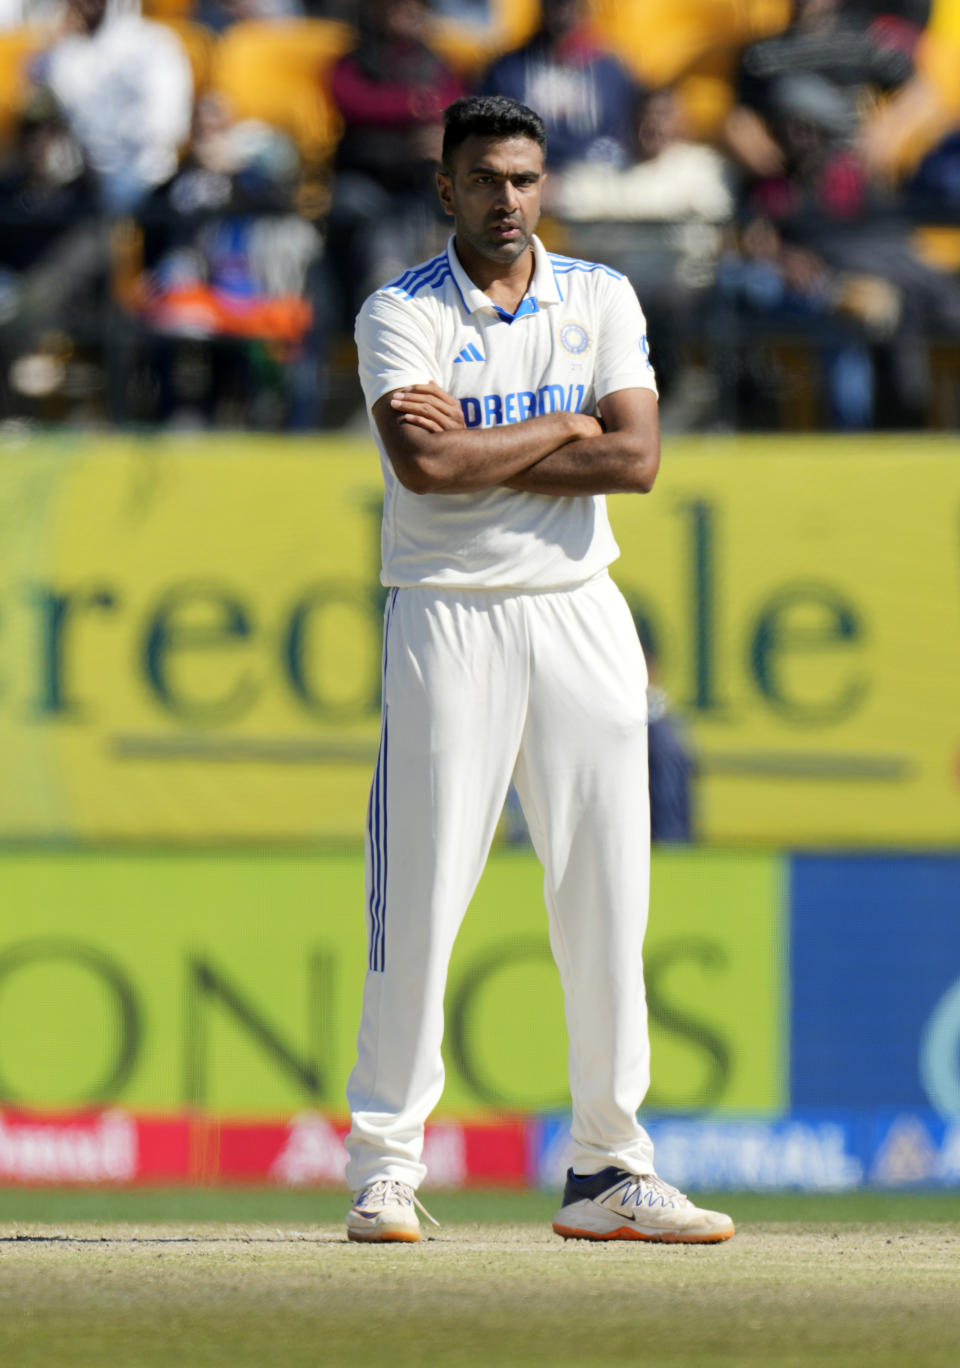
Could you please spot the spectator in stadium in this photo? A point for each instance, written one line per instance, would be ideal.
(230, 262)
(126, 90)
(840, 248)
(584, 95)
(666, 178)
(52, 265)
(391, 91)
(860, 53)
(767, 288)
(897, 135)
(45, 192)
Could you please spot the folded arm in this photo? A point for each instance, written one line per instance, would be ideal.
(622, 458)
(434, 452)
(557, 454)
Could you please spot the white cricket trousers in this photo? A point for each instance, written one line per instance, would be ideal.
(549, 689)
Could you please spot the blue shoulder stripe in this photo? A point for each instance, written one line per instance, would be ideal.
(424, 274)
(410, 284)
(433, 282)
(423, 268)
(564, 265)
(417, 276)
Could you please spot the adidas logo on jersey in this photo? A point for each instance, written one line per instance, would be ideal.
(471, 352)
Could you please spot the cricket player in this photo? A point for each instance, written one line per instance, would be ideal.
(508, 654)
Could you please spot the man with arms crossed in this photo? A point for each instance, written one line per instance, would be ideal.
(508, 653)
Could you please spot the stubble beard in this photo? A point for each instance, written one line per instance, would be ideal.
(503, 253)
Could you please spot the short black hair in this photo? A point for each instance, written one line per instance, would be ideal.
(489, 116)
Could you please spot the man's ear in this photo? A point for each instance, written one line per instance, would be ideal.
(445, 191)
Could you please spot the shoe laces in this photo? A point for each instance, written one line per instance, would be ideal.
(652, 1183)
(383, 1191)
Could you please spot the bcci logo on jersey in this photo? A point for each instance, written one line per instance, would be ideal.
(574, 338)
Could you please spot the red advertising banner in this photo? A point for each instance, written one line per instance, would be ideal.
(116, 1147)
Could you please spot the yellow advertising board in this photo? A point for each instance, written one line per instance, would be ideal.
(805, 599)
(190, 636)
(229, 983)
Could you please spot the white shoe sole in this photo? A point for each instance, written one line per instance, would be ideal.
(585, 1221)
(383, 1235)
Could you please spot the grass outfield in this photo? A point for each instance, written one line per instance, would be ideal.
(206, 1277)
(321, 1207)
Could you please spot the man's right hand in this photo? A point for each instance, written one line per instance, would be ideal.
(428, 406)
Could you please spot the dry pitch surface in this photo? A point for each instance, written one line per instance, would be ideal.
(145, 1295)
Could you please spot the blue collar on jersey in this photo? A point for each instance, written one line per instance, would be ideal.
(528, 305)
(544, 287)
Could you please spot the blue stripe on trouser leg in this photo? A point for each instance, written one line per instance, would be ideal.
(373, 842)
(377, 823)
(456, 689)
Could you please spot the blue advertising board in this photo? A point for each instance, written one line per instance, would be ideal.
(818, 1151)
(875, 982)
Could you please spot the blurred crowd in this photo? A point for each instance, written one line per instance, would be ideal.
(197, 197)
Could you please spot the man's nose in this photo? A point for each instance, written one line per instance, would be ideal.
(508, 195)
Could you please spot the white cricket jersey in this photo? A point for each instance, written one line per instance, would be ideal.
(578, 335)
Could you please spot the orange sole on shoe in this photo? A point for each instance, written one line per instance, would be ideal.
(631, 1233)
(385, 1237)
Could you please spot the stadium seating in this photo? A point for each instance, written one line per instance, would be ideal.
(693, 44)
(661, 40)
(17, 46)
(469, 48)
(275, 71)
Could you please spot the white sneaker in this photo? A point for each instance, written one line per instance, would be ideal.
(616, 1205)
(384, 1210)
